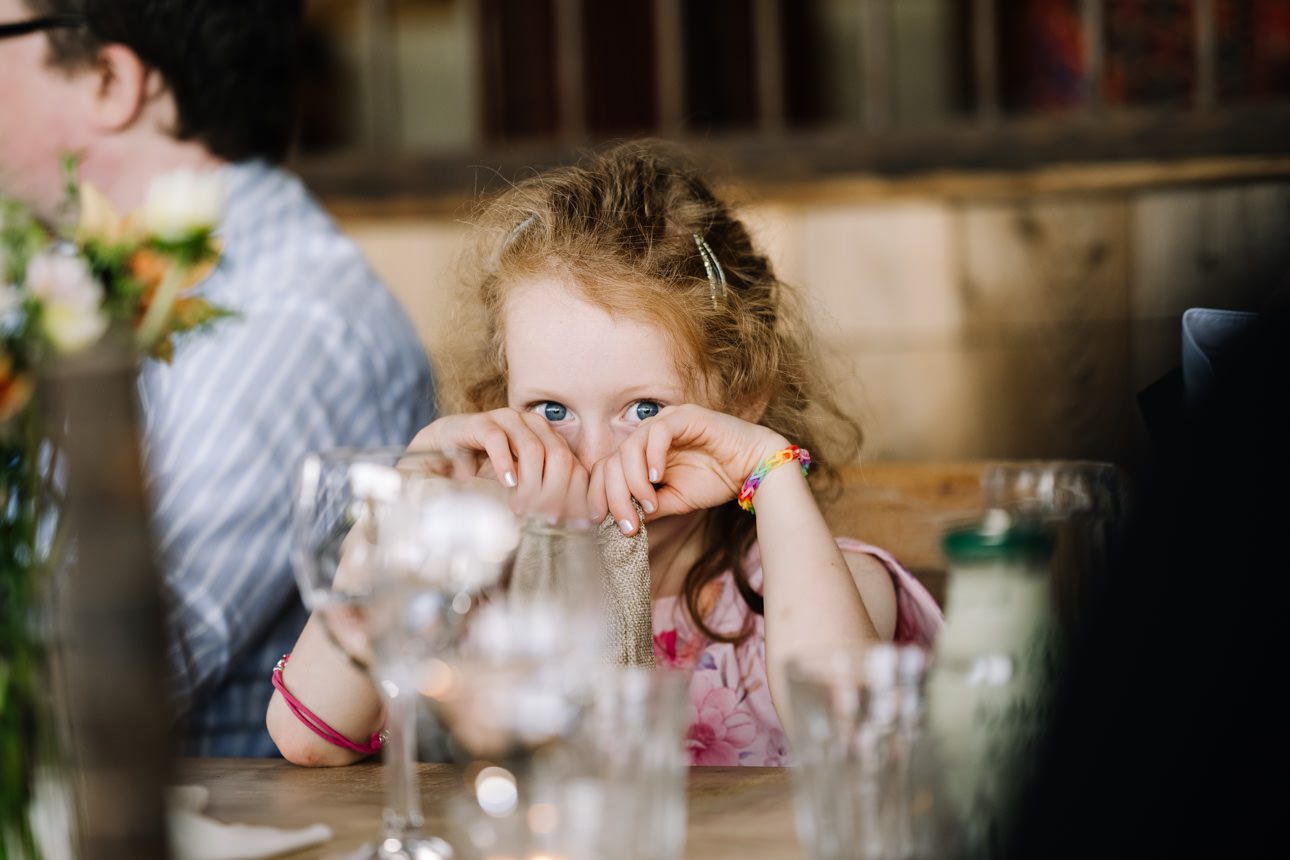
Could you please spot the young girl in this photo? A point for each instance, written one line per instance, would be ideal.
(637, 346)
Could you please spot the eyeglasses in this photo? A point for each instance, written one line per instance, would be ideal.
(36, 25)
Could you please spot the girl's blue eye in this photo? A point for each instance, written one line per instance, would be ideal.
(551, 411)
(642, 409)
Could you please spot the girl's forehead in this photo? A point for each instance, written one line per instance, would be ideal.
(554, 336)
(558, 302)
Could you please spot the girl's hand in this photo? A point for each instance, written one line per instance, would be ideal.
(522, 451)
(684, 459)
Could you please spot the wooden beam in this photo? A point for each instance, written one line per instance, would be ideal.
(1163, 141)
(570, 72)
(669, 66)
(473, 14)
(770, 66)
(383, 124)
(985, 58)
(1206, 56)
(1092, 30)
(875, 64)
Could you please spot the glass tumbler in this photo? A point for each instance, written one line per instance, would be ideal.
(856, 723)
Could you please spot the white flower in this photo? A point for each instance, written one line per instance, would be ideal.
(11, 299)
(72, 300)
(182, 203)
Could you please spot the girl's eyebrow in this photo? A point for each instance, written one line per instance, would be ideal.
(659, 391)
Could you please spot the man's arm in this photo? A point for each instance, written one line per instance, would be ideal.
(225, 427)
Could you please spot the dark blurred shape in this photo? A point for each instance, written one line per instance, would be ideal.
(518, 50)
(1166, 741)
(1043, 51)
(620, 77)
(720, 65)
(323, 85)
(1253, 49)
(1150, 52)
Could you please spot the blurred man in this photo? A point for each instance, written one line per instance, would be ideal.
(1166, 740)
(319, 354)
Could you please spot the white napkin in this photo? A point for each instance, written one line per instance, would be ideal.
(194, 836)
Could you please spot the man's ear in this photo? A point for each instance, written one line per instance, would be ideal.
(123, 88)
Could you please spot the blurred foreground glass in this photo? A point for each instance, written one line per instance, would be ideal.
(1083, 503)
(501, 638)
(348, 576)
(857, 719)
(559, 751)
(614, 788)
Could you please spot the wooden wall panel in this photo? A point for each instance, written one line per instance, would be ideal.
(1046, 293)
(965, 327)
(1225, 247)
(419, 260)
(873, 272)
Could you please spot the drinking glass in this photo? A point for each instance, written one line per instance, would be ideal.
(856, 725)
(614, 787)
(635, 736)
(1083, 502)
(343, 501)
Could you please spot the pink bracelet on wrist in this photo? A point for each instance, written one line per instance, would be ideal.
(779, 458)
(316, 724)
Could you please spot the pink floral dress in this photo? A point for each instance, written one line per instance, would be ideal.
(732, 720)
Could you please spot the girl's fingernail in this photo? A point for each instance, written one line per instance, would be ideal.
(509, 479)
(625, 525)
(552, 519)
(647, 506)
(653, 476)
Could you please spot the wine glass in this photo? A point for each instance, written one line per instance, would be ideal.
(504, 639)
(343, 500)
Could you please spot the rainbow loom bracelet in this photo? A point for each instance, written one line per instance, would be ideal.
(779, 458)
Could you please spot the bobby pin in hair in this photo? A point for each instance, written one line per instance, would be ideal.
(512, 236)
(519, 228)
(716, 275)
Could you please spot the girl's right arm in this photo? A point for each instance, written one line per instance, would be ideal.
(523, 450)
(321, 677)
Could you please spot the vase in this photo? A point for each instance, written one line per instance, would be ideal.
(90, 758)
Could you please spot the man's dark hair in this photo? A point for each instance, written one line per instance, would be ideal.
(229, 64)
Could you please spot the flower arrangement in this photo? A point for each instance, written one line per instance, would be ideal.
(60, 293)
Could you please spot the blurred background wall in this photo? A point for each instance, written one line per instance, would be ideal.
(999, 208)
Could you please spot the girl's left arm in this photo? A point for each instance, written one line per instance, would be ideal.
(816, 598)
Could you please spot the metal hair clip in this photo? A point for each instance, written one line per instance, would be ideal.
(716, 275)
(519, 228)
(511, 237)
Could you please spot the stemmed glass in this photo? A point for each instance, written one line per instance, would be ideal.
(344, 500)
(507, 662)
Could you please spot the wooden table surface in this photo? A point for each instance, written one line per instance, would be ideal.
(734, 812)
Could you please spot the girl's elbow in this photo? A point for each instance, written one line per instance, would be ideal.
(300, 746)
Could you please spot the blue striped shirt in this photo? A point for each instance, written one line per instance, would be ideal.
(319, 355)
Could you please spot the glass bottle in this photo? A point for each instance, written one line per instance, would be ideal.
(988, 691)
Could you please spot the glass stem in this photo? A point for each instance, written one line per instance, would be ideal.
(402, 799)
